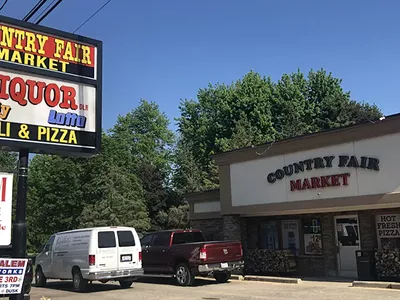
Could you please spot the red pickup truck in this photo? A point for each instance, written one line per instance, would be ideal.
(184, 254)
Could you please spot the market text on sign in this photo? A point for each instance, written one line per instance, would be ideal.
(39, 50)
(319, 182)
(35, 92)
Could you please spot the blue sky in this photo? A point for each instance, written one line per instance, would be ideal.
(165, 51)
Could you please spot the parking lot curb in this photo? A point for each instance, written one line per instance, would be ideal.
(377, 284)
(237, 277)
(273, 279)
(233, 277)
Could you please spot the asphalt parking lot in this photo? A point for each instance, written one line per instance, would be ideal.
(208, 289)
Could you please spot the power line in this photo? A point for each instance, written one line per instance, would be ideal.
(33, 10)
(47, 7)
(92, 16)
(4, 4)
(48, 12)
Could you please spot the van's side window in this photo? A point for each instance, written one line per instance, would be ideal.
(49, 244)
(125, 238)
(106, 239)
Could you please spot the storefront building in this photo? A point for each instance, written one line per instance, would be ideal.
(305, 205)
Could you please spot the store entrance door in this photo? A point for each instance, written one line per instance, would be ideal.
(347, 242)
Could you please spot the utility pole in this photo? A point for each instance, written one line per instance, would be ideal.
(18, 240)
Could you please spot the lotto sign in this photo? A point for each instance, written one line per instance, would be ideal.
(50, 90)
(12, 273)
(6, 188)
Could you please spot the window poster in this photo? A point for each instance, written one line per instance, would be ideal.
(269, 235)
(290, 235)
(388, 230)
(312, 236)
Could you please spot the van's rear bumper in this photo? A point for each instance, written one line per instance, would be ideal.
(104, 275)
(227, 266)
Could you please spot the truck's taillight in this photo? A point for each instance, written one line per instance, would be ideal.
(92, 260)
(203, 253)
(140, 256)
(241, 250)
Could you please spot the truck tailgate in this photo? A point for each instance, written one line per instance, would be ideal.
(218, 252)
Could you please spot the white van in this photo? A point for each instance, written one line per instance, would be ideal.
(92, 254)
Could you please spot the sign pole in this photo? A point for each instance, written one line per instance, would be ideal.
(19, 228)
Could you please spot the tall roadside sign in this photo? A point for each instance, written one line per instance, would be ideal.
(50, 101)
(50, 90)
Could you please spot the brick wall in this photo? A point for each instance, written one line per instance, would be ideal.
(367, 230)
(311, 266)
(211, 228)
(232, 228)
(329, 245)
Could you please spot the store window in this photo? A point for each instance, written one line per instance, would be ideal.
(268, 235)
(290, 235)
(312, 236)
(388, 230)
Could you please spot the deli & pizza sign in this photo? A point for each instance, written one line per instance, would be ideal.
(326, 162)
(50, 90)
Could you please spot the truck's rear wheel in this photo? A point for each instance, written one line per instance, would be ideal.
(40, 279)
(222, 277)
(80, 284)
(183, 274)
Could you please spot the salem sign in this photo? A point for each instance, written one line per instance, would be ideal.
(50, 90)
(342, 161)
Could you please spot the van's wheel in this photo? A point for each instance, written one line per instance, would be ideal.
(125, 284)
(40, 279)
(80, 284)
(222, 277)
(184, 276)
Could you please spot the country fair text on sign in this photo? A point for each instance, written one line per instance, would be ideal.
(47, 52)
(50, 90)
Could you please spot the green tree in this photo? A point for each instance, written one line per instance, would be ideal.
(145, 146)
(113, 197)
(144, 132)
(255, 110)
(54, 197)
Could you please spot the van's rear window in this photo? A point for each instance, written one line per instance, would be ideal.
(106, 239)
(125, 238)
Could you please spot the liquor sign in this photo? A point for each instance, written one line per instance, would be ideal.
(50, 90)
(6, 189)
(12, 273)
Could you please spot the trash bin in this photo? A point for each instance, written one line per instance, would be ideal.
(366, 265)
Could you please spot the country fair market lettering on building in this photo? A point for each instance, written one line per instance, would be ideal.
(50, 90)
(324, 181)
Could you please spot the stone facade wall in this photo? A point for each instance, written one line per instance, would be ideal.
(311, 266)
(329, 245)
(367, 230)
(232, 227)
(211, 228)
